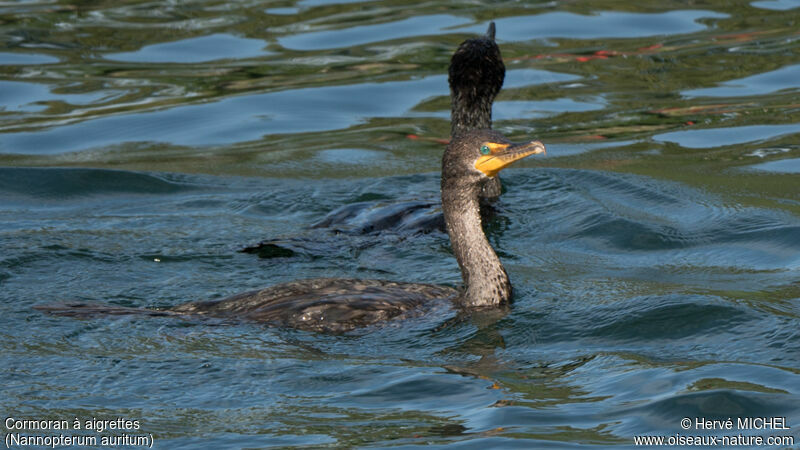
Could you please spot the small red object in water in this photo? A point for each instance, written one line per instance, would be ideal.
(589, 58)
(412, 136)
(651, 47)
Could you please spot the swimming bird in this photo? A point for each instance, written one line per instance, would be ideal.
(472, 159)
(475, 76)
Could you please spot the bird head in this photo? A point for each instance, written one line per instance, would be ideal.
(477, 71)
(478, 155)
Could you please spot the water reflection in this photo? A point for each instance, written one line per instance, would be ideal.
(350, 37)
(555, 25)
(543, 26)
(196, 50)
(776, 5)
(14, 59)
(761, 84)
(717, 137)
(31, 97)
(529, 110)
(248, 118)
(791, 165)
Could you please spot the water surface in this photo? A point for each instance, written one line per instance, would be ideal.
(655, 251)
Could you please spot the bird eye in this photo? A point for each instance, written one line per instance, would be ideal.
(485, 150)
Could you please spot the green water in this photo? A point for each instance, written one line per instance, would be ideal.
(655, 250)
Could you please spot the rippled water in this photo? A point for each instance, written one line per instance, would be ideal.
(655, 252)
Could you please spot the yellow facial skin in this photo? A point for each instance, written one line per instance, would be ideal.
(502, 155)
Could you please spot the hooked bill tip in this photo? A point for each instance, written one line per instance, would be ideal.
(538, 147)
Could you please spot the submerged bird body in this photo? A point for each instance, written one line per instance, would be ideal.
(337, 305)
(331, 305)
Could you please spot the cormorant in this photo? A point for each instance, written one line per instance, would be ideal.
(475, 75)
(472, 159)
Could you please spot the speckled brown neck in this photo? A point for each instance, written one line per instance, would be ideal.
(485, 280)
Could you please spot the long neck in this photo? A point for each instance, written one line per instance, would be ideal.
(470, 110)
(485, 280)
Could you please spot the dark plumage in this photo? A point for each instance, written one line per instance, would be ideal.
(475, 76)
(338, 305)
(331, 305)
(485, 280)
